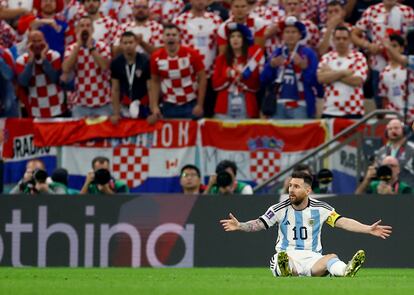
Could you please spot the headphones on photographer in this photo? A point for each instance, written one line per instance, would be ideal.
(405, 129)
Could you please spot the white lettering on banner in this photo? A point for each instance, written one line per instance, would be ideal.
(183, 131)
(187, 234)
(44, 232)
(24, 148)
(89, 237)
(106, 235)
(16, 228)
(166, 135)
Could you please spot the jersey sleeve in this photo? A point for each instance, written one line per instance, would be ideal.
(269, 218)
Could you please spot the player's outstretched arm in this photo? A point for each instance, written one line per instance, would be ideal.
(233, 224)
(376, 229)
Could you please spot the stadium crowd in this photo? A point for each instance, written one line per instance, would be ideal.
(152, 59)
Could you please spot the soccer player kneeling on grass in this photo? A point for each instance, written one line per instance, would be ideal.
(300, 218)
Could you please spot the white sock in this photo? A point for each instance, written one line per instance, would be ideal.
(336, 267)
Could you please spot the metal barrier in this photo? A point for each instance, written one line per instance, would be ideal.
(325, 150)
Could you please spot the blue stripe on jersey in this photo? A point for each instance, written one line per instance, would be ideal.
(283, 229)
(300, 244)
(316, 228)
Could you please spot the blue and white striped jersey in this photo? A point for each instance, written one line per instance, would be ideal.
(299, 230)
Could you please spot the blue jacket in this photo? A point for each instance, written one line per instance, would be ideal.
(309, 79)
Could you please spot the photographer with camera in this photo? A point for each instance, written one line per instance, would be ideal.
(100, 180)
(224, 181)
(399, 147)
(34, 180)
(383, 180)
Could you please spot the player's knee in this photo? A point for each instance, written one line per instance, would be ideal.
(330, 256)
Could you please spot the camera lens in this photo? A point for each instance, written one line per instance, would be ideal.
(40, 176)
(224, 179)
(102, 176)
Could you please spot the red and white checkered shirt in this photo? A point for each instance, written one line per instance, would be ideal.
(8, 35)
(256, 25)
(316, 11)
(164, 11)
(178, 74)
(392, 85)
(91, 82)
(120, 10)
(201, 34)
(376, 21)
(342, 99)
(105, 29)
(45, 98)
(151, 32)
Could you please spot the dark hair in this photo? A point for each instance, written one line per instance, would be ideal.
(302, 167)
(60, 175)
(397, 38)
(128, 34)
(99, 159)
(192, 167)
(229, 53)
(223, 165)
(170, 26)
(342, 28)
(307, 178)
(335, 3)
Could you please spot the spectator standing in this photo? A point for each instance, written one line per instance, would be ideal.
(148, 32)
(343, 72)
(237, 75)
(178, 75)
(393, 82)
(130, 74)
(38, 74)
(89, 60)
(198, 29)
(290, 76)
(104, 27)
(377, 22)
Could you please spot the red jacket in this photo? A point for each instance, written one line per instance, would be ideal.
(221, 82)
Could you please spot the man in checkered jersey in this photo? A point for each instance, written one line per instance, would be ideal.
(89, 61)
(179, 77)
(104, 27)
(343, 72)
(300, 220)
(377, 22)
(148, 32)
(393, 81)
(38, 73)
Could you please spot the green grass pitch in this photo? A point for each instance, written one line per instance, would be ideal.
(118, 281)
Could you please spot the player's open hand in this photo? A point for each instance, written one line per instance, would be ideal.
(231, 224)
(382, 231)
